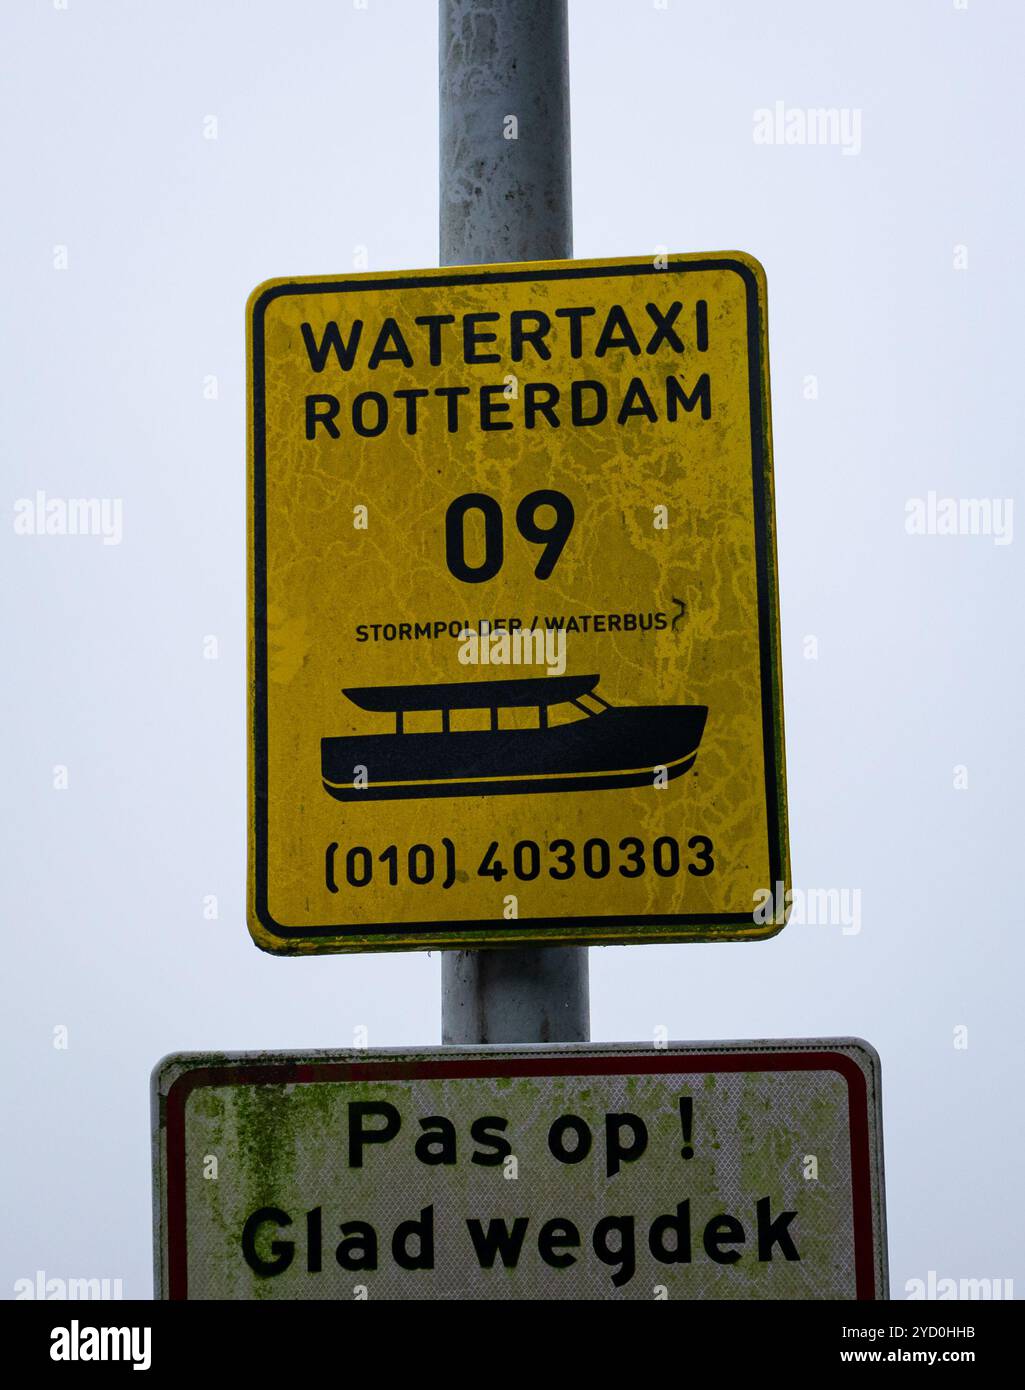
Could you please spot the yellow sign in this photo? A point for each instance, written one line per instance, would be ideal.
(514, 644)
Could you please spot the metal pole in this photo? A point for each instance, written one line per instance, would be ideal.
(505, 196)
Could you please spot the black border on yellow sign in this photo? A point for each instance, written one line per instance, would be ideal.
(561, 930)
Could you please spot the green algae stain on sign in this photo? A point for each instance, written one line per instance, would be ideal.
(738, 1171)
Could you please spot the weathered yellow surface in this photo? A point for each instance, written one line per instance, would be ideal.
(668, 518)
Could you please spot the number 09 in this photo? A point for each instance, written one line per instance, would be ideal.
(553, 538)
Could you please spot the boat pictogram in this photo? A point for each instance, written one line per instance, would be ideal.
(614, 746)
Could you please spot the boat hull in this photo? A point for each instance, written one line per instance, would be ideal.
(618, 748)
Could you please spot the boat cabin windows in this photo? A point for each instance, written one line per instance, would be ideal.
(460, 721)
(564, 714)
(472, 706)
